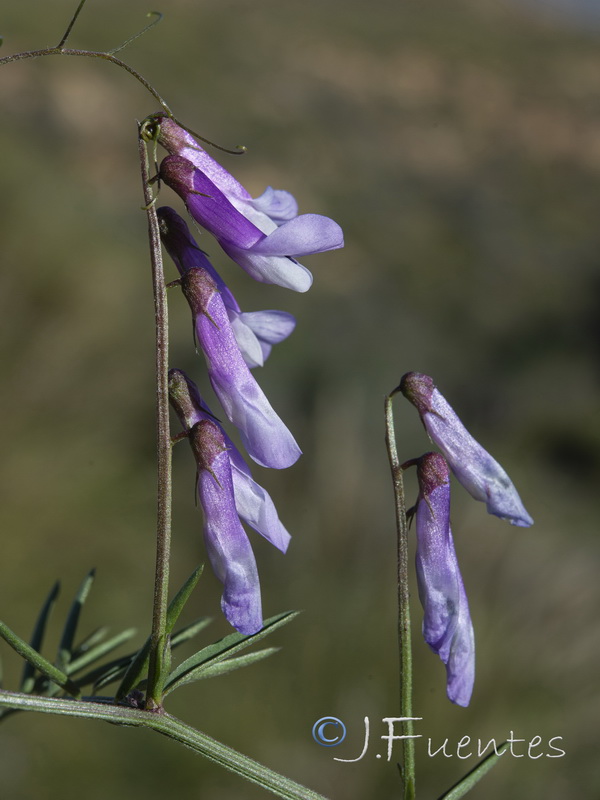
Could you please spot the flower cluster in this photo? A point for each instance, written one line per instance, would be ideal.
(264, 236)
(447, 626)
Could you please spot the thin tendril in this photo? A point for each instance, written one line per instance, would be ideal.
(131, 39)
(109, 56)
(151, 131)
(55, 51)
(70, 26)
(239, 151)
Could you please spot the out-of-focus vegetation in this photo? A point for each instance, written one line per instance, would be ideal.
(458, 144)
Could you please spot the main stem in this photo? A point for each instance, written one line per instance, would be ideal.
(174, 729)
(158, 637)
(408, 771)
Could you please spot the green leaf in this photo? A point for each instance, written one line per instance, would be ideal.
(177, 603)
(220, 668)
(107, 673)
(227, 647)
(100, 650)
(89, 641)
(65, 648)
(139, 664)
(28, 677)
(39, 662)
(189, 631)
(475, 775)
(115, 670)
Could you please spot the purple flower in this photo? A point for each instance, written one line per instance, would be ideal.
(227, 545)
(479, 473)
(255, 331)
(265, 245)
(272, 208)
(263, 433)
(253, 504)
(447, 626)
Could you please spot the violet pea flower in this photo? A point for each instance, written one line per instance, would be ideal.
(267, 255)
(263, 433)
(271, 209)
(253, 504)
(228, 548)
(255, 331)
(477, 471)
(447, 626)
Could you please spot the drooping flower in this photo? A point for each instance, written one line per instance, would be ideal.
(255, 331)
(447, 626)
(272, 208)
(253, 504)
(477, 471)
(226, 542)
(262, 235)
(264, 435)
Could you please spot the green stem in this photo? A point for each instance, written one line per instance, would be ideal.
(404, 640)
(159, 645)
(174, 729)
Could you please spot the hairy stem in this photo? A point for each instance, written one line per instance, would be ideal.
(174, 729)
(159, 645)
(408, 771)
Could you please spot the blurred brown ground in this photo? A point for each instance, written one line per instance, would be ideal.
(458, 144)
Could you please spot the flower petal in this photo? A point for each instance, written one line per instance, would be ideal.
(301, 236)
(279, 270)
(228, 547)
(277, 204)
(447, 626)
(252, 502)
(255, 507)
(207, 204)
(247, 341)
(264, 435)
(272, 326)
(477, 471)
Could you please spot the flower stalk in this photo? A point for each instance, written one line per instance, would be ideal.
(158, 639)
(404, 629)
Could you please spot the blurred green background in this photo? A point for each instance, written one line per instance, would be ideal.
(458, 144)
